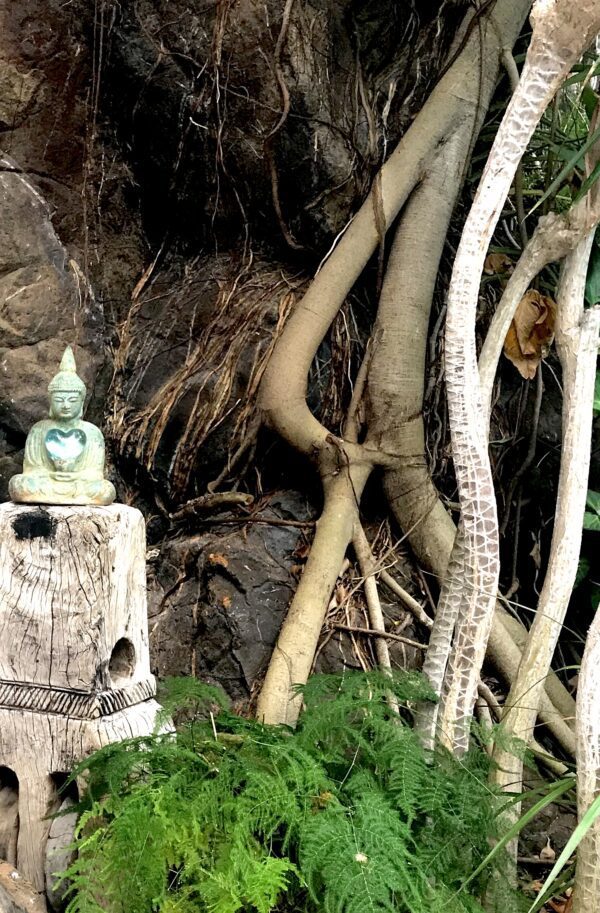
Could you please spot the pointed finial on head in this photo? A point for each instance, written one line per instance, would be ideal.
(67, 380)
(68, 361)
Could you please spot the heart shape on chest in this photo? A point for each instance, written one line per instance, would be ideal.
(65, 445)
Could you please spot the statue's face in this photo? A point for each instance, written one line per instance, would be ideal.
(66, 404)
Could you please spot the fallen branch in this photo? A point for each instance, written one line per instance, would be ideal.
(410, 603)
(210, 502)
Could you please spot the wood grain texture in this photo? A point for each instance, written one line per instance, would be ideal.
(72, 584)
(37, 746)
(72, 589)
(84, 705)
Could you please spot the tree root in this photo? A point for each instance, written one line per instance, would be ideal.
(449, 119)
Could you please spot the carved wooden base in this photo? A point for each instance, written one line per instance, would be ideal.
(84, 705)
(73, 596)
(74, 666)
(40, 749)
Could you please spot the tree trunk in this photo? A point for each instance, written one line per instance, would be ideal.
(442, 121)
(586, 895)
(577, 343)
(560, 35)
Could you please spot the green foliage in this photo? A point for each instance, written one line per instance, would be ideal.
(584, 825)
(591, 518)
(345, 814)
(592, 296)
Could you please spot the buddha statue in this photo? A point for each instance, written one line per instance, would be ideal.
(64, 456)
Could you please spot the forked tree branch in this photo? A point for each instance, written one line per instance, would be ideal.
(283, 390)
(561, 32)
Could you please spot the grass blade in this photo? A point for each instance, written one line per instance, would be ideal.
(572, 844)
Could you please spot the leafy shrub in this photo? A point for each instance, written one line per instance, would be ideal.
(345, 814)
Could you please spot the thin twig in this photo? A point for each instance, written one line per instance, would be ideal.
(246, 443)
(268, 144)
(387, 635)
(535, 860)
(210, 502)
(409, 601)
(368, 569)
(352, 425)
(271, 522)
(490, 698)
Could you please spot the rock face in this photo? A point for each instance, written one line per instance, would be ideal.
(235, 113)
(217, 600)
(197, 161)
(50, 67)
(46, 304)
(44, 71)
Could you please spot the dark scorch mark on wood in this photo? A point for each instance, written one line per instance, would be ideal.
(34, 524)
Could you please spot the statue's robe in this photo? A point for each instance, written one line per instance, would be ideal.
(83, 483)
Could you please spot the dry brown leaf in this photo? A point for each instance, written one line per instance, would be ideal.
(531, 332)
(302, 551)
(341, 593)
(217, 560)
(548, 853)
(536, 553)
(497, 263)
(561, 906)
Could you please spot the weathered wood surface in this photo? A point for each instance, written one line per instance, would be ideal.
(36, 747)
(16, 894)
(72, 589)
(72, 584)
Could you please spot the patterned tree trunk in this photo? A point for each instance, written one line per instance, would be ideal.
(586, 895)
(561, 31)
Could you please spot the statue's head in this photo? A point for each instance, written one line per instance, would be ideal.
(67, 390)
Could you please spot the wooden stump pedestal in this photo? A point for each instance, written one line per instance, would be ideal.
(74, 662)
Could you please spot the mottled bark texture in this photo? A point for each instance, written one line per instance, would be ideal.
(560, 34)
(577, 344)
(586, 894)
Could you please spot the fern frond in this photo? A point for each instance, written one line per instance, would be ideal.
(346, 814)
